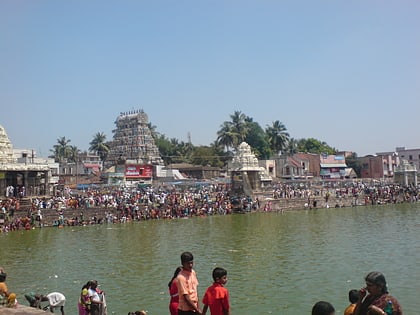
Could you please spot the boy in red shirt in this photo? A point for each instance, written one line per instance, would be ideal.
(217, 296)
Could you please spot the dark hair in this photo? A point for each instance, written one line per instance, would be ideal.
(377, 278)
(186, 257)
(218, 273)
(353, 296)
(91, 284)
(322, 308)
(3, 276)
(177, 271)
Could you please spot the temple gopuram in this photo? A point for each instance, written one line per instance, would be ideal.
(133, 153)
(133, 141)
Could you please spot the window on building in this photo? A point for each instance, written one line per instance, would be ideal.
(410, 157)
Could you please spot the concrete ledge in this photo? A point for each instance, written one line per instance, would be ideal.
(21, 310)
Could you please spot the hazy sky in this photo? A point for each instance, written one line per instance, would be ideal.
(343, 72)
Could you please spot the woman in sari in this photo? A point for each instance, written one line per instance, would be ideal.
(374, 299)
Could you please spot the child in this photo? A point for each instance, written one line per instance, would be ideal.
(323, 308)
(353, 297)
(217, 296)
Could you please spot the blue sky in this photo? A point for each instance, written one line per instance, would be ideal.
(343, 72)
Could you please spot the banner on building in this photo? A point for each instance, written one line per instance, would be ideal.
(138, 171)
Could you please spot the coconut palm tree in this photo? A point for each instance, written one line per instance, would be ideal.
(61, 150)
(99, 145)
(73, 154)
(239, 126)
(292, 146)
(233, 132)
(153, 130)
(225, 136)
(277, 136)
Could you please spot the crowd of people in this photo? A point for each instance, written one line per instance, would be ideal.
(122, 204)
(372, 299)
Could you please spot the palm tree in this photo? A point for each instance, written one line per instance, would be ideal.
(277, 136)
(239, 126)
(61, 150)
(153, 131)
(292, 146)
(232, 133)
(99, 146)
(225, 136)
(73, 154)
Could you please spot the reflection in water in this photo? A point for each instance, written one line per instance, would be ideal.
(277, 263)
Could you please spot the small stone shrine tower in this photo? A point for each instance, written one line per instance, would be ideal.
(6, 148)
(133, 141)
(406, 174)
(245, 171)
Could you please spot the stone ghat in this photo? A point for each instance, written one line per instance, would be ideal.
(21, 310)
(266, 204)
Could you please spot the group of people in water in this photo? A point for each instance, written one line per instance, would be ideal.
(183, 291)
(90, 302)
(372, 299)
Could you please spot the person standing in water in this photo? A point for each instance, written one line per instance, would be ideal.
(173, 292)
(187, 284)
(374, 299)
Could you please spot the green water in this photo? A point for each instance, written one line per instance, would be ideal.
(277, 263)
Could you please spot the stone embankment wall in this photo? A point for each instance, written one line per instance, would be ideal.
(284, 204)
(266, 203)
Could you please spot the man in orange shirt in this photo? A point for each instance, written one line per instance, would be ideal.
(187, 284)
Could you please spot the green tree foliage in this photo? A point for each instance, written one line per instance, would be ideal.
(292, 146)
(232, 133)
(174, 151)
(165, 148)
(207, 156)
(257, 139)
(312, 145)
(61, 151)
(99, 146)
(73, 154)
(153, 130)
(278, 136)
